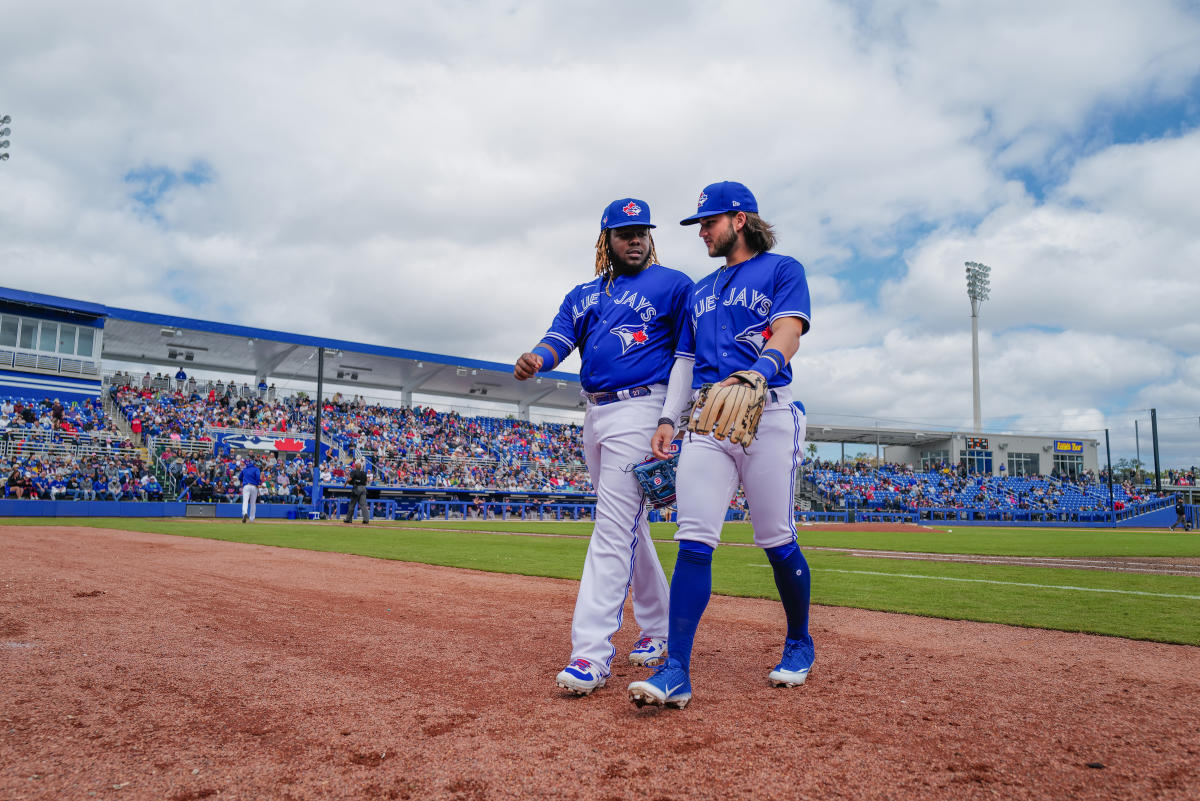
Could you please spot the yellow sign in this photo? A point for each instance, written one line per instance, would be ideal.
(1066, 446)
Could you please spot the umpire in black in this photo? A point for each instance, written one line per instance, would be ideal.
(358, 494)
(1180, 514)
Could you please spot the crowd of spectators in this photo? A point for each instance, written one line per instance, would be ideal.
(894, 487)
(78, 421)
(409, 447)
(215, 477)
(1182, 478)
(79, 478)
(56, 450)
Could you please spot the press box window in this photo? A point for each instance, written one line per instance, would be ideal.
(8, 331)
(28, 338)
(66, 339)
(49, 335)
(87, 341)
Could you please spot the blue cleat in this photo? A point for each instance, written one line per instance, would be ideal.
(798, 658)
(581, 677)
(649, 652)
(669, 686)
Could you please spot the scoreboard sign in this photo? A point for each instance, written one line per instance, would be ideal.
(977, 443)
(1066, 446)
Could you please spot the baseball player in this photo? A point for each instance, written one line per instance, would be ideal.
(626, 324)
(747, 316)
(251, 478)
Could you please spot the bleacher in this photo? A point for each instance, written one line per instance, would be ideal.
(945, 494)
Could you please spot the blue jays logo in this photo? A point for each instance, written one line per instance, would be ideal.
(631, 209)
(703, 199)
(756, 335)
(631, 335)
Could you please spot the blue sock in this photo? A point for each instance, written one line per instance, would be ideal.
(691, 586)
(795, 587)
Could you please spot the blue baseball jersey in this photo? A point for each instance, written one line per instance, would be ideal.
(627, 331)
(251, 475)
(731, 315)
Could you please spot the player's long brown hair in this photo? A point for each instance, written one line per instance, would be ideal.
(604, 265)
(759, 234)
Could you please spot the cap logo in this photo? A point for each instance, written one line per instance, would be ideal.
(734, 203)
(702, 201)
(631, 209)
(605, 220)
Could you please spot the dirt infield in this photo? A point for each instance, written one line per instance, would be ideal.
(142, 666)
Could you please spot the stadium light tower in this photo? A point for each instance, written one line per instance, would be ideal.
(977, 290)
(4, 132)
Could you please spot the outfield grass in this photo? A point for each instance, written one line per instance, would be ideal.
(1162, 608)
(963, 540)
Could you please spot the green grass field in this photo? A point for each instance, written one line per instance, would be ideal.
(1162, 608)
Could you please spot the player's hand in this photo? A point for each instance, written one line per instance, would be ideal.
(734, 380)
(527, 366)
(662, 440)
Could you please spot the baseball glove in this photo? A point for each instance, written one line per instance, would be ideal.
(657, 479)
(731, 411)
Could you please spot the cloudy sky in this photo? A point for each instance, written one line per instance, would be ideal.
(431, 176)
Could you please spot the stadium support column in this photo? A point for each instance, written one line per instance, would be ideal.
(316, 485)
(978, 286)
(1137, 444)
(1112, 506)
(1154, 440)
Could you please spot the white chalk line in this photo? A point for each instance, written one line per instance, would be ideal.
(1005, 583)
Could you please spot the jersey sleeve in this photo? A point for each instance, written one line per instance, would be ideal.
(686, 349)
(681, 317)
(561, 334)
(791, 297)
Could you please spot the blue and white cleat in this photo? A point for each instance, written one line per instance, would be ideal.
(581, 677)
(798, 658)
(649, 652)
(669, 686)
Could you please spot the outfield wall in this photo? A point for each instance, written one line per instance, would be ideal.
(26, 508)
(1159, 518)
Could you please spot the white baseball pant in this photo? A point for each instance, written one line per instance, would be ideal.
(620, 556)
(709, 471)
(249, 499)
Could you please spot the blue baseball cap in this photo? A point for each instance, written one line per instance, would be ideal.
(625, 212)
(721, 197)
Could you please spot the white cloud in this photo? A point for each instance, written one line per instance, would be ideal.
(431, 175)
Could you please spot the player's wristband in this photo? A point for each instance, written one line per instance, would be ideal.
(549, 357)
(666, 421)
(769, 363)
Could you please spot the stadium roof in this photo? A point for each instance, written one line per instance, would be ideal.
(870, 435)
(242, 351)
(239, 351)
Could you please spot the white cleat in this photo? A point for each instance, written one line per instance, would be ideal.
(649, 652)
(581, 677)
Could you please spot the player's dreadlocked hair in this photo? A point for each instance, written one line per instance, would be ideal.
(604, 265)
(760, 234)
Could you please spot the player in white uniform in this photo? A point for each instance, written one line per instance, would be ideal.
(748, 315)
(626, 325)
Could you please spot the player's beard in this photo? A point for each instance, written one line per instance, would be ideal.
(724, 243)
(622, 267)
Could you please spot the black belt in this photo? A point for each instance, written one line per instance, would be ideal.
(601, 398)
